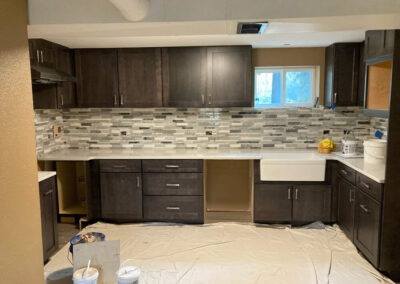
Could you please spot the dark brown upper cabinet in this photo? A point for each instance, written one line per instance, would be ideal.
(66, 91)
(43, 53)
(379, 43)
(229, 76)
(97, 77)
(342, 74)
(139, 71)
(184, 76)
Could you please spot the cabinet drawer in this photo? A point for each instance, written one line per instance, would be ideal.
(347, 173)
(367, 226)
(186, 209)
(369, 186)
(173, 183)
(120, 166)
(173, 166)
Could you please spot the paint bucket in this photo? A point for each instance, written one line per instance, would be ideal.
(93, 275)
(128, 274)
(375, 151)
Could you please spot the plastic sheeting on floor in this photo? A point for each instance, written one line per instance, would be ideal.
(236, 253)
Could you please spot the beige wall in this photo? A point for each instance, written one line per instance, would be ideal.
(293, 57)
(21, 259)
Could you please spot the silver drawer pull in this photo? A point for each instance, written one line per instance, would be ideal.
(172, 185)
(344, 172)
(296, 194)
(363, 207)
(366, 185)
(138, 181)
(48, 192)
(289, 193)
(172, 166)
(119, 166)
(172, 208)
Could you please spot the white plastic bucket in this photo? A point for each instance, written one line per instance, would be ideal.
(375, 151)
(93, 274)
(128, 275)
(349, 147)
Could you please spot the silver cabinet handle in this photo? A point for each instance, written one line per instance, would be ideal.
(352, 196)
(334, 98)
(296, 195)
(344, 172)
(202, 99)
(37, 55)
(172, 166)
(138, 181)
(41, 56)
(366, 185)
(122, 100)
(363, 207)
(289, 193)
(173, 208)
(172, 185)
(119, 166)
(115, 100)
(209, 99)
(48, 192)
(62, 100)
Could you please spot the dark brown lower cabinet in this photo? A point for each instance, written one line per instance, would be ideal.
(272, 203)
(311, 203)
(186, 209)
(367, 226)
(345, 218)
(48, 208)
(121, 196)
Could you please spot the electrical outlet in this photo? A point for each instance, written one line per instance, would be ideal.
(57, 131)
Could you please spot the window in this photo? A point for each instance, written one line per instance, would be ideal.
(277, 87)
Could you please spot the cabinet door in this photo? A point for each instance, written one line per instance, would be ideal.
(66, 91)
(121, 196)
(44, 53)
(97, 77)
(379, 43)
(48, 208)
(367, 226)
(311, 203)
(139, 72)
(329, 75)
(229, 76)
(346, 207)
(184, 76)
(44, 96)
(272, 203)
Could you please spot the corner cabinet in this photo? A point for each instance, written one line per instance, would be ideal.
(48, 209)
(342, 74)
(379, 43)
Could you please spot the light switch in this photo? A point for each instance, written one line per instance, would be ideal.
(57, 131)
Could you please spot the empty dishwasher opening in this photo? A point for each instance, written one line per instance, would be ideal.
(228, 190)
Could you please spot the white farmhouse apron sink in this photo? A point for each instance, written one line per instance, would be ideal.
(295, 166)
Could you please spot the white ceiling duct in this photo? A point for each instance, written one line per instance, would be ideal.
(132, 10)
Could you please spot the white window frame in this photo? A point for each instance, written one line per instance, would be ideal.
(315, 73)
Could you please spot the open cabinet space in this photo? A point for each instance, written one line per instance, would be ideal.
(378, 85)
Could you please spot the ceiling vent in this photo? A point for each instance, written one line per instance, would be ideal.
(251, 28)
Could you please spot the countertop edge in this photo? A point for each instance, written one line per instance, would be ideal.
(43, 175)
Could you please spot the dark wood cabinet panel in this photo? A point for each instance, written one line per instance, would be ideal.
(346, 200)
(139, 72)
(186, 209)
(97, 77)
(172, 166)
(370, 187)
(272, 203)
(173, 184)
(66, 91)
(342, 74)
(44, 96)
(229, 76)
(121, 166)
(48, 208)
(121, 196)
(379, 43)
(367, 226)
(184, 76)
(44, 53)
(347, 173)
(312, 203)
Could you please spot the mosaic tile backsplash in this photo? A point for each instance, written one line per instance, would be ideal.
(192, 128)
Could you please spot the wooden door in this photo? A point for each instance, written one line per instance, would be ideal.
(184, 76)
(346, 207)
(367, 226)
(346, 68)
(311, 203)
(139, 72)
(48, 208)
(121, 196)
(229, 76)
(97, 77)
(272, 203)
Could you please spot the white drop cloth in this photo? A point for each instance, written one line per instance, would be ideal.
(236, 253)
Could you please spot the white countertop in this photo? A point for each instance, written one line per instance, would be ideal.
(43, 175)
(373, 171)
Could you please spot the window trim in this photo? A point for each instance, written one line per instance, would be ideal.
(315, 83)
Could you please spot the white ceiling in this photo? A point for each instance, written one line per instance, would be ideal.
(97, 23)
